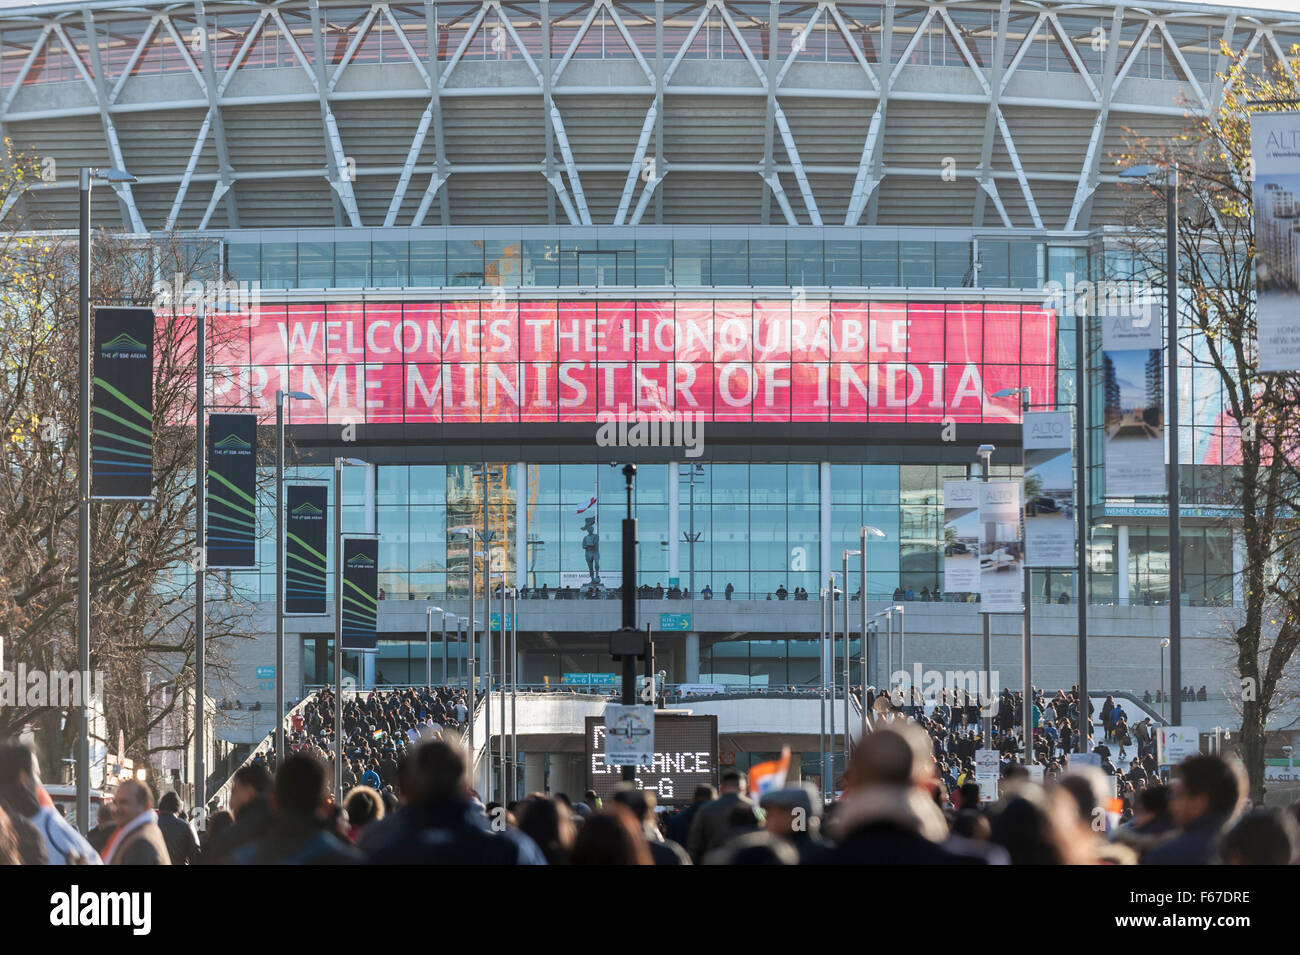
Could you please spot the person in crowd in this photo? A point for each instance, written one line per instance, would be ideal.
(1036, 829)
(549, 824)
(301, 832)
(1205, 793)
(889, 814)
(641, 803)
(679, 824)
(250, 793)
(712, 824)
(613, 836)
(41, 834)
(1264, 836)
(218, 823)
(443, 826)
(794, 813)
(364, 806)
(137, 840)
(178, 833)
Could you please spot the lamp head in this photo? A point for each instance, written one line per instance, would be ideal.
(112, 175)
(870, 531)
(1141, 172)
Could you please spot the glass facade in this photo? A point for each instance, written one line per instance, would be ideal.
(686, 257)
(756, 528)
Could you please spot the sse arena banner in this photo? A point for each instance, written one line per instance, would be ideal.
(686, 756)
(360, 593)
(304, 562)
(232, 491)
(121, 413)
(561, 361)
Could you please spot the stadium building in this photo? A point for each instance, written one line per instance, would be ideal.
(818, 234)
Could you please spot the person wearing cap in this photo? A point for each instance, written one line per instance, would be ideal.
(794, 814)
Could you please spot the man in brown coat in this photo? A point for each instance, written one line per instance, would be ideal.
(137, 839)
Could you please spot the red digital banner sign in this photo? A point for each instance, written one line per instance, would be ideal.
(567, 361)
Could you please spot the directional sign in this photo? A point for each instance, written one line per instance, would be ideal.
(1175, 743)
(629, 735)
(675, 621)
(987, 770)
(590, 679)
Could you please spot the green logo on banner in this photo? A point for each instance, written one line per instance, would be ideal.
(123, 342)
(361, 560)
(233, 442)
(306, 507)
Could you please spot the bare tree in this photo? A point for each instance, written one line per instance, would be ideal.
(1216, 276)
(142, 582)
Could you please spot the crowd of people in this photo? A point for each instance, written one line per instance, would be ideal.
(896, 808)
(909, 795)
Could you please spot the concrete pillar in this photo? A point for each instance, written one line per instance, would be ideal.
(368, 669)
(674, 523)
(521, 524)
(1121, 564)
(692, 662)
(565, 777)
(534, 773)
(824, 503)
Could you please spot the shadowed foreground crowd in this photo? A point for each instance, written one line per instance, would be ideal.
(895, 810)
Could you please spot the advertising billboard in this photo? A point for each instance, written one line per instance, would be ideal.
(1275, 150)
(1049, 489)
(565, 361)
(1133, 381)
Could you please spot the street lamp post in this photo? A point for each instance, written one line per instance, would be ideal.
(486, 537)
(986, 722)
(280, 397)
(868, 633)
(889, 653)
(85, 177)
(821, 693)
(846, 555)
(690, 536)
(1026, 649)
(338, 620)
(1170, 173)
(428, 645)
(1164, 694)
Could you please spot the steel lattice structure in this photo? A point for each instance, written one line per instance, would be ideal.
(300, 113)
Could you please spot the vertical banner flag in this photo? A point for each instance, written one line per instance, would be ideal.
(961, 537)
(1049, 489)
(121, 413)
(1275, 150)
(1134, 393)
(232, 491)
(305, 534)
(1000, 551)
(360, 593)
